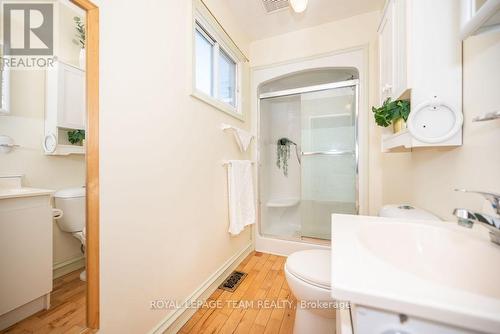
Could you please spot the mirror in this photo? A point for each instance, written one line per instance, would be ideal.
(4, 85)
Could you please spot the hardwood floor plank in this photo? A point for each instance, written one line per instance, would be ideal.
(66, 313)
(243, 310)
(267, 261)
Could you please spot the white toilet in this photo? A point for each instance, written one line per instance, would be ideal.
(71, 202)
(406, 211)
(308, 275)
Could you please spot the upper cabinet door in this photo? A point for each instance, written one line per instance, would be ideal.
(386, 54)
(71, 97)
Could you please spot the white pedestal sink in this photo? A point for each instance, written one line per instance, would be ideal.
(435, 271)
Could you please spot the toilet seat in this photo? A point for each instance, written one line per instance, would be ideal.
(311, 266)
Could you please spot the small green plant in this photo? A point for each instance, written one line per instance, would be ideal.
(390, 111)
(80, 32)
(76, 136)
(283, 154)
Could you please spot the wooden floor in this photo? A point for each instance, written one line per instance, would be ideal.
(265, 283)
(66, 314)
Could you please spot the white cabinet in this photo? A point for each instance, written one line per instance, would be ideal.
(25, 253)
(65, 108)
(421, 60)
(386, 54)
(70, 97)
(374, 321)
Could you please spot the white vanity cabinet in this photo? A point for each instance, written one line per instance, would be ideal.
(25, 253)
(65, 108)
(368, 320)
(420, 53)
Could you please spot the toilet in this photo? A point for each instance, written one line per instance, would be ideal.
(406, 211)
(71, 202)
(308, 275)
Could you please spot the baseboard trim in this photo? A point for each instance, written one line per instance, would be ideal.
(174, 321)
(65, 267)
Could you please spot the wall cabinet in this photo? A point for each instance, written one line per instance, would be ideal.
(65, 108)
(421, 61)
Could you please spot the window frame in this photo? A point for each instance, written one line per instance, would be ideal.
(208, 27)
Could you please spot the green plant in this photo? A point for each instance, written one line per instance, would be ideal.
(76, 136)
(80, 32)
(390, 111)
(283, 154)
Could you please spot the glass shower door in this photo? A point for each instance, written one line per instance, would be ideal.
(329, 158)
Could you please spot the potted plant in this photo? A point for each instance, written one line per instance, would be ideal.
(392, 112)
(80, 39)
(76, 137)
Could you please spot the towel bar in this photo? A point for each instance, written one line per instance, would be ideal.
(227, 162)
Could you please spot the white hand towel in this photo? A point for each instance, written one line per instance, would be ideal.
(241, 198)
(243, 138)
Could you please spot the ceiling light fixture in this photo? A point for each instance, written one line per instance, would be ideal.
(298, 5)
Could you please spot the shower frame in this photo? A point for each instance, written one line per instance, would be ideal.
(356, 57)
(311, 89)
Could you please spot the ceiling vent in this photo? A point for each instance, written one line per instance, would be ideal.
(272, 6)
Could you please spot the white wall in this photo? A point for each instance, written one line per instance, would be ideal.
(164, 215)
(339, 35)
(25, 125)
(427, 177)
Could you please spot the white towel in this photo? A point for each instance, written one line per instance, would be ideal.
(241, 198)
(243, 138)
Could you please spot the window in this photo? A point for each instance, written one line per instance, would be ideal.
(216, 64)
(204, 62)
(227, 79)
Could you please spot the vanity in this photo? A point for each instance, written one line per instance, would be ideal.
(25, 250)
(414, 276)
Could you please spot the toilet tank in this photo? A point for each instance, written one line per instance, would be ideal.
(72, 203)
(407, 212)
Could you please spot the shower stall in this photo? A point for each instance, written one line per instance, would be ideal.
(308, 152)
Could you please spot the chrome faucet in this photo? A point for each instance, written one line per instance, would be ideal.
(468, 218)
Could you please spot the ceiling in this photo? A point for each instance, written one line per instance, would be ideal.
(258, 24)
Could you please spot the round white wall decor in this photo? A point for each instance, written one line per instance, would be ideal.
(434, 122)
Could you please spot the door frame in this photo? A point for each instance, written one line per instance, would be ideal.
(92, 161)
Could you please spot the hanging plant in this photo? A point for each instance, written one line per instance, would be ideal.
(283, 154)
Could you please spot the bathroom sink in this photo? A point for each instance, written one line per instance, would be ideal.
(454, 258)
(437, 271)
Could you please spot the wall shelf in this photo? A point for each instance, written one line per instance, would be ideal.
(67, 150)
(400, 140)
(403, 141)
(283, 203)
(487, 117)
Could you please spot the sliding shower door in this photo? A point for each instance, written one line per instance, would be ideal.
(329, 158)
(319, 123)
